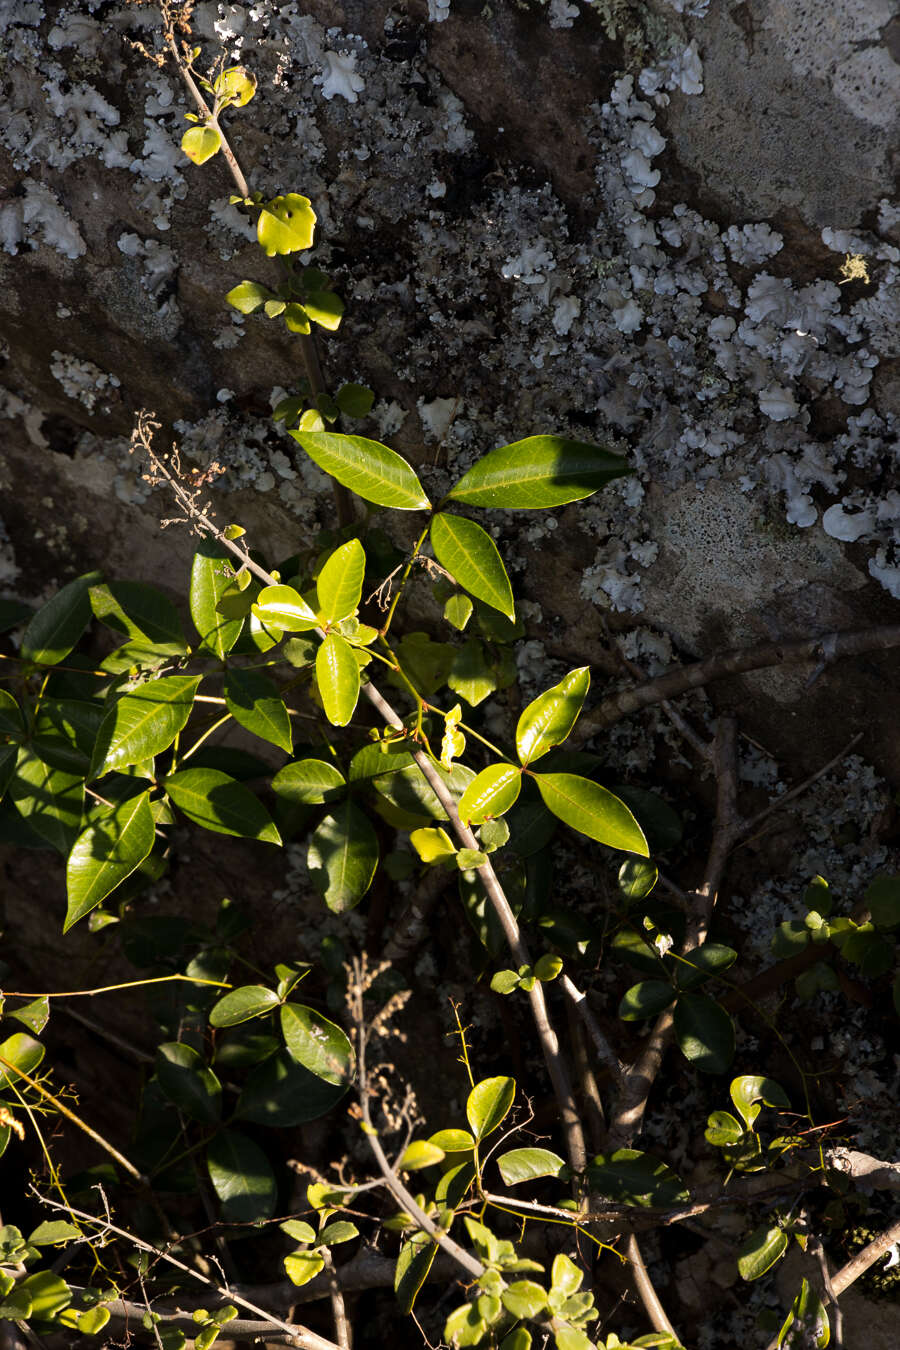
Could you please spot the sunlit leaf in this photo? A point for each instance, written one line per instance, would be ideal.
(342, 857)
(316, 1043)
(548, 720)
(211, 577)
(236, 86)
(538, 472)
(108, 851)
(241, 1177)
(309, 782)
(201, 143)
(760, 1250)
(367, 468)
(339, 583)
(488, 1103)
(491, 793)
(470, 555)
(413, 1264)
(750, 1091)
(525, 1164)
(337, 677)
(286, 225)
(591, 810)
(240, 1005)
(19, 1051)
(219, 803)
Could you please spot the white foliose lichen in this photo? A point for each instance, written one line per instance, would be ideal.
(82, 380)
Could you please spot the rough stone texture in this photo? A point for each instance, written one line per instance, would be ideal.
(538, 221)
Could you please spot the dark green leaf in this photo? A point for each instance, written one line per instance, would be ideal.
(660, 823)
(188, 1082)
(355, 400)
(316, 1043)
(211, 576)
(470, 555)
(251, 1000)
(11, 723)
(369, 469)
(591, 810)
(705, 1032)
(540, 471)
(139, 612)
(710, 959)
(49, 799)
(12, 613)
(646, 1000)
(242, 1178)
(635, 1178)
(144, 723)
(281, 1093)
(219, 803)
(413, 1265)
(342, 857)
(383, 757)
(637, 878)
(883, 900)
(56, 627)
(256, 704)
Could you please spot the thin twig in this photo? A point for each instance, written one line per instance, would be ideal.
(776, 805)
(342, 1330)
(827, 647)
(298, 1335)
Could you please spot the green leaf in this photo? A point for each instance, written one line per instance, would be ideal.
(458, 610)
(241, 1177)
(34, 1015)
(472, 675)
(723, 1130)
(339, 583)
(144, 723)
(248, 297)
(219, 803)
(814, 1328)
(11, 723)
(19, 1051)
(465, 1326)
(342, 857)
(340, 1230)
(883, 901)
(571, 1338)
(251, 1000)
(524, 1164)
(413, 1264)
(637, 878)
(547, 967)
(108, 851)
(524, 1298)
(211, 576)
(296, 321)
(537, 472)
(298, 1230)
(301, 1267)
(491, 793)
(236, 86)
(661, 825)
(749, 1090)
(309, 782)
(256, 704)
(53, 1232)
(319, 1045)
(452, 1141)
(48, 1293)
(705, 1032)
(56, 627)
(548, 720)
(518, 1339)
(369, 469)
(704, 961)
(505, 982)
(284, 608)
(188, 1082)
(139, 612)
(759, 1252)
(384, 757)
(488, 1103)
(337, 677)
(355, 400)
(201, 143)
(49, 799)
(281, 1093)
(591, 810)
(635, 1178)
(470, 555)
(646, 1000)
(324, 308)
(565, 1277)
(420, 1153)
(286, 225)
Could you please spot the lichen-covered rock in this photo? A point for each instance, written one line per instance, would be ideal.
(666, 228)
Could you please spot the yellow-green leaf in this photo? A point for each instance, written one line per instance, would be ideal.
(470, 555)
(324, 308)
(339, 583)
(540, 471)
(592, 810)
(488, 1103)
(548, 720)
(286, 225)
(235, 86)
(367, 468)
(491, 793)
(337, 676)
(432, 844)
(283, 607)
(201, 143)
(419, 1154)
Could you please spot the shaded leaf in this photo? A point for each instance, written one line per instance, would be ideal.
(324, 308)
(242, 1178)
(635, 1178)
(540, 471)
(282, 1093)
(637, 878)
(413, 1264)
(342, 857)
(470, 555)
(188, 1082)
(53, 631)
(760, 1250)
(703, 962)
(355, 400)
(472, 675)
(219, 803)
(211, 576)
(49, 799)
(309, 782)
(368, 468)
(646, 1000)
(139, 612)
(256, 704)
(705, 1032)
